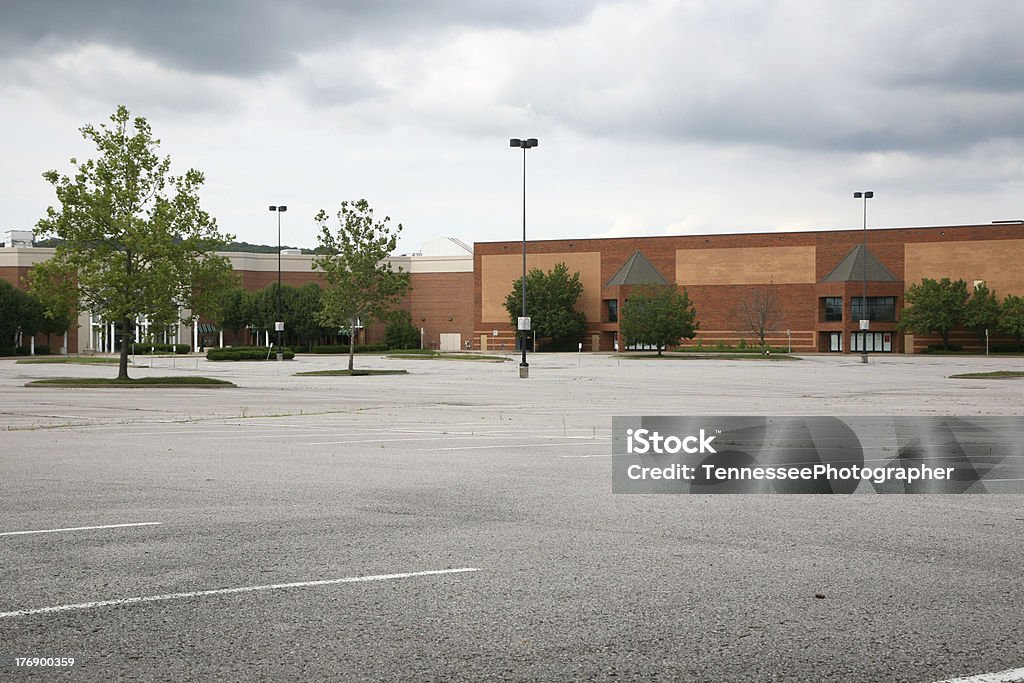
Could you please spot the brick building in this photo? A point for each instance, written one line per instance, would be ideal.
(816, 279)
(440, 299)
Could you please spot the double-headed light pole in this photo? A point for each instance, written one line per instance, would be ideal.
(865, 318)
(524, 321)
(279, 322)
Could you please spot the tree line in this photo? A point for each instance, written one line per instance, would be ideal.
(23, 316)
(941, 306)
(132, 242)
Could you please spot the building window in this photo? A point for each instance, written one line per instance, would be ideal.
(613, 310)
(833, 309)
(881, 308)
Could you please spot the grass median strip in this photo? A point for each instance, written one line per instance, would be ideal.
(710, 356)
(81, 382)
(83, 360)
(438, 355)
(997, 374)
(349, 373)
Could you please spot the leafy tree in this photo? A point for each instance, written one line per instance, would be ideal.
(759, 312)
(303, 311)
(658, 315)
(981, 312)
(934, 306)
(550, 303)
(233, 313)
(400, 333)
(1011, 319)
(12, 306)
(134, 240)
(361, 286)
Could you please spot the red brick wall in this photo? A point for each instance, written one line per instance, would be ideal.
(798, 303)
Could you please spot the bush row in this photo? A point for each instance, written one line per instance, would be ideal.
(41, 350)
(343, 348)
(248, 353)
(142, 347)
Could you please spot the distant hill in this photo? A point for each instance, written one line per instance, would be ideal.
(243, 247)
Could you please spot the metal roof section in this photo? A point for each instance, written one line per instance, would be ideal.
(851, 268)
(637, 270)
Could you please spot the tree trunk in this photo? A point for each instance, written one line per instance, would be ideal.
(659, 350)
(945, 340)
(351, 342)
(122, 367)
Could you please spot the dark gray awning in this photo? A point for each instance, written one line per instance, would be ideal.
(637, 270)
(851, 268)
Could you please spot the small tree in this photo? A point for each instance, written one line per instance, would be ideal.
(1011, 319)
(361, 286)
(134, 242)
(550, 303)
(400, 333)
(759, 312)
(658, 315)
(981, 312)
(934, 307)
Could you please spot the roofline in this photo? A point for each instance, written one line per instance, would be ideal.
(810, 231)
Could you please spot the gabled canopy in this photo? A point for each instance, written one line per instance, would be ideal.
(637, 270)
(851, 268)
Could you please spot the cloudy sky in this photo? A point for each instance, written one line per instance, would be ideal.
(654, 117)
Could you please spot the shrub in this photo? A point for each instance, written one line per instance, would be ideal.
(41, 350)
(343, 348)
(248, 353)
(400, 332)
(144, 347)
(7, 351)
(938, 348)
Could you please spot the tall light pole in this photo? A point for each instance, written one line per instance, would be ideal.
(279, 323)
(865, 321)
(524, 321)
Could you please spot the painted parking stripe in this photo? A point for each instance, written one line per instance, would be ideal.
(230, 591)
(1008, 676)
(78, 528)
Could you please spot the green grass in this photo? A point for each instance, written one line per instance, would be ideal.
(997, 374)
(425, 354)
(349, 373)
(130, 383)
(712, 356)
(83, 360)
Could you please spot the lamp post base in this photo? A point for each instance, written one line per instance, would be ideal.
(280, 356)
(524, 371)
(863, 358)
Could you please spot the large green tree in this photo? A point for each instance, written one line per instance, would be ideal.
(981, 312)
(134, 241)
(658, 315)
(934, 307)
(550, 303)
(361, 285)
(1011, 318)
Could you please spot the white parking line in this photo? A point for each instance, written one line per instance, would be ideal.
(79, 528)
(1008, 676)
(229, 591)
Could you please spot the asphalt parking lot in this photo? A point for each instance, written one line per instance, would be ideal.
(457, 523)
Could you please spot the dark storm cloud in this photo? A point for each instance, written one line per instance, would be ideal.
(249, 37)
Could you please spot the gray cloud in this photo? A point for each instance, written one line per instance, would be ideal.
(250, 37)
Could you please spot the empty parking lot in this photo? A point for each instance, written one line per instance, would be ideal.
(458, 523)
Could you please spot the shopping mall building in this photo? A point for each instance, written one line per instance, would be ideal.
(814, 281)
